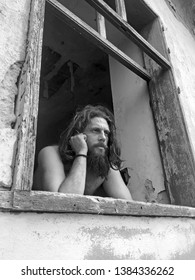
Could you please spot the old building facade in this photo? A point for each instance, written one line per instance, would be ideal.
(138, 59)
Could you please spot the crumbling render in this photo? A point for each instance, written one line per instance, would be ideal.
(152, 196)
(8, 90)
(8, 96)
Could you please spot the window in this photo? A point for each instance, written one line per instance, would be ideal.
(174, 145)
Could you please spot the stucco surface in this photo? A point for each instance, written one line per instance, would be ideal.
(14, 25)
(78, 236)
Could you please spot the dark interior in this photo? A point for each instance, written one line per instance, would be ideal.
(74, 71)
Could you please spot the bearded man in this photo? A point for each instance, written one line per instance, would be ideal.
(86, 158)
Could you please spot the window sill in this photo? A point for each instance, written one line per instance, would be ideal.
(38, 201)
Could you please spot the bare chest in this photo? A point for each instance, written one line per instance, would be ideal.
(92, 184)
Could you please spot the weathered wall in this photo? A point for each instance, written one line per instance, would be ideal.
(184, 11)
(66, 236)
(14, 17)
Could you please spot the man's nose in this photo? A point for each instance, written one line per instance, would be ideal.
(102, 136)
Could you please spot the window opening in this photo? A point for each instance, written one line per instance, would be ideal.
(76, 72)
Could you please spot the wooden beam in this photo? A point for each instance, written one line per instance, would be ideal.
(6, 199)
(120, 9)
(101, 26)
(175, 147)
(28, 99)
(129, 31)
(71, 203)
(92, 35)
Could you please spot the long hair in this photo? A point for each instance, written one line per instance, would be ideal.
(78, 124)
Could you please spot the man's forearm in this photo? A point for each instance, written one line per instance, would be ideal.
(75, 180)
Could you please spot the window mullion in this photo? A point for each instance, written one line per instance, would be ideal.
(101, 24)
(129, 31)
(92, 35)
(120, 8)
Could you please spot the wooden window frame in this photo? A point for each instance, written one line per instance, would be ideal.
(177, 157)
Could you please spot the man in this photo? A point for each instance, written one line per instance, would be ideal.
(87, 157)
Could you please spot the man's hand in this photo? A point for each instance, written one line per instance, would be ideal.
(79, 144)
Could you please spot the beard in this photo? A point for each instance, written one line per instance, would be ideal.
(98, 164)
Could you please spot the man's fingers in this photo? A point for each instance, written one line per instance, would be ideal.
(80, 134)
(84, 136)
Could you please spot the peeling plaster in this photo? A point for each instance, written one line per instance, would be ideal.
(9, 90)
(149, 191)
(14, 18)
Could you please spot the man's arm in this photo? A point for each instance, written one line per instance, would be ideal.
(115, 187)
(51, 175)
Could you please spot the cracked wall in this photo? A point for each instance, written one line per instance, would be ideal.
(14, 16)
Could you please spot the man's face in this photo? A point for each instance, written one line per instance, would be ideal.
(97, 132)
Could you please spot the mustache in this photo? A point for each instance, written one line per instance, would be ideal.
(100, 145)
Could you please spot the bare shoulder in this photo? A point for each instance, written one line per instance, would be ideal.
(48, 152)
(49, 160)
